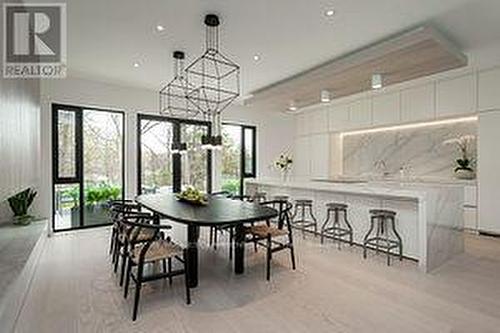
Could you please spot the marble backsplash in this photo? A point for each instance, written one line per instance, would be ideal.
(419, 151)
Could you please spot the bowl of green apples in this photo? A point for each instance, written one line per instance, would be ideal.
(193, 196)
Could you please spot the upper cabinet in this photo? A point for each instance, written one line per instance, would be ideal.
(386, 109)
(455, 96)
(417, 103)
(338, 118)
(360, 113)
(302, 154)
(319, 156)
(318, 120)
(299, 125)
(489, 90)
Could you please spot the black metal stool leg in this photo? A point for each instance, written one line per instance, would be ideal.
(365, 241)
(336, 224)
(314, 219)
(400, 245)
(328, 211)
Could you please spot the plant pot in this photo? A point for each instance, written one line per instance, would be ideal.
(23, 220)
(465, 174)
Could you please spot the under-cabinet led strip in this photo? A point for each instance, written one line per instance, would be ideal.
(409, 126)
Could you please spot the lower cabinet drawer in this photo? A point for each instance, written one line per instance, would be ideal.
(470, 218)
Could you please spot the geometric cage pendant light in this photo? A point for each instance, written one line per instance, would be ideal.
(213, 79)
(213, 82)
(173, 100)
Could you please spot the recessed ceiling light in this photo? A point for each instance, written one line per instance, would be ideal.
(256, 57)
(325, 96)
(160, 28)
(292, 107)
(136, 64)
(329, 12)
(377, 81)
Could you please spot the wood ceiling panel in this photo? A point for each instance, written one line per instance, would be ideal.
(410, 55)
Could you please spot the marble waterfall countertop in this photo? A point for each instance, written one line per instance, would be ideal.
(430, 213)
(389, 188)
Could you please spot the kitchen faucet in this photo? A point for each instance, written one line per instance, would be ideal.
(381, 167)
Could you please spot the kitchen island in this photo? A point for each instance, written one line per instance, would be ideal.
(429, 215)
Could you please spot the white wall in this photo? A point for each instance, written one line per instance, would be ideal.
(274, 130)
(19, 139)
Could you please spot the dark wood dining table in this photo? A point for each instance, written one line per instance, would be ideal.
(218, 212)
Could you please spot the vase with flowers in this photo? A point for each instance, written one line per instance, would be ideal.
(464, 168)
(284, 165)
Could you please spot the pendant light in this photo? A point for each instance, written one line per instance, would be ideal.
(213, 78)
(173, 102)
(214, 83)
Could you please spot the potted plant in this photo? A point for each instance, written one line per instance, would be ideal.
(20, 204)
(464, 168)
(284, 165)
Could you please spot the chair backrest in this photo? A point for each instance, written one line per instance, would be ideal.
(242, 197)
(259, 197)
(134, 224)
(225, 194)
(284, 208)
(122, 207)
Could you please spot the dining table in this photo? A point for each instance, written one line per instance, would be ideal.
(216, 212)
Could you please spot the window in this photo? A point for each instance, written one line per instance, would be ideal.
(238, 156)
(159, 170)
(88, 150)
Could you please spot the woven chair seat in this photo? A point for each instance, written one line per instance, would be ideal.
(264, 231)
(144, 235)
(161, 249)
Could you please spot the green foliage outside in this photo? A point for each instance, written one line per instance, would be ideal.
(231, 185)
(94, 194)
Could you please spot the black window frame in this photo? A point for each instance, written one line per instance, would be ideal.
(243, 173)
(79, 167)
(176, 158)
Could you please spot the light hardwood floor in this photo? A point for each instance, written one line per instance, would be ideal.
(74, 290)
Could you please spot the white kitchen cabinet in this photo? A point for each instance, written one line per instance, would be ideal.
(456, 96)
(417, 103)
(470, 196)
(338, 118)
(386, 109)
(470, 218)
(360, 113)
(299, 125)
(320, 156)
(301, 157)
(489, 177)
(304, 124)
(489, 90)
(319, 121)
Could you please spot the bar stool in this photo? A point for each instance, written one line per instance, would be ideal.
(380, 219)
(336, 230)
(302, 223)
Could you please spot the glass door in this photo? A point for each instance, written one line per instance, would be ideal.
(238, 156)
(161, 170)
(195, 165)
(88, 165)
(155, 157)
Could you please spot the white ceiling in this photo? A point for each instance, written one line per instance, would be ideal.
(105, 37)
